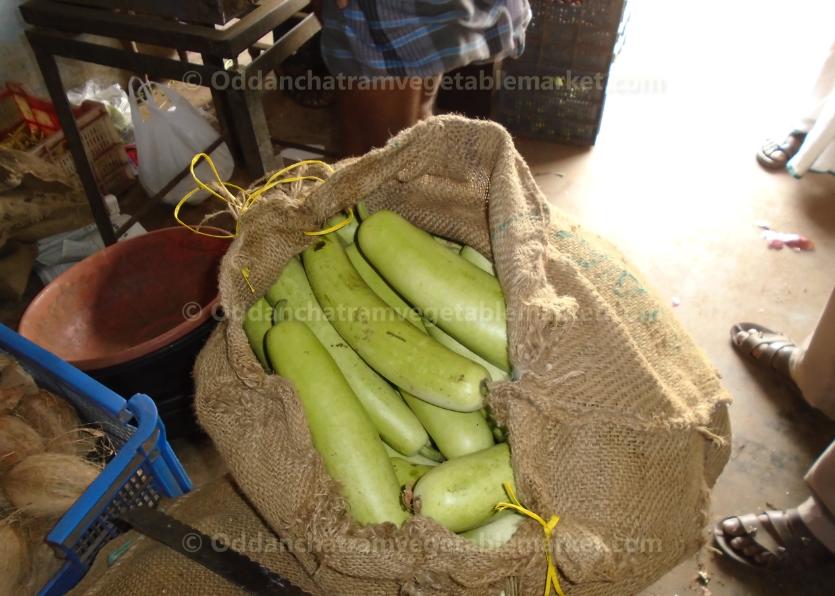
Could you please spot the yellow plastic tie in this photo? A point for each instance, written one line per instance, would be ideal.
(334, 227)
(553, 578)
(239, 201)
(245, 274)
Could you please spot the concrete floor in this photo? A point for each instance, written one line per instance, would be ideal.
(673, 182)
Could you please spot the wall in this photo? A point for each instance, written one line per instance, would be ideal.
(17, 62)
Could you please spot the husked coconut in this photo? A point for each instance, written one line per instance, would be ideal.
(14, 559)
(14, 384)
(12, 375)
(47, 484)
(9, 398)
(54, 418)
(18, 440)
(45, 563)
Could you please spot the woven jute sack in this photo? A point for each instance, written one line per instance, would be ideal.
(135, 565)
(616, 421)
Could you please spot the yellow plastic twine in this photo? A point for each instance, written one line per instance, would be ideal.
(548, 527)
(334, 227)
(245, 274)
(241, 200)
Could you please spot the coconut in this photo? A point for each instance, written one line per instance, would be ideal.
(14, 559)
(12, 375)
(9, 398)
(14, 384)
(45, 564)
(36, 528)
(18, 440)
(6, 508)
(47, 484)
(54, 418)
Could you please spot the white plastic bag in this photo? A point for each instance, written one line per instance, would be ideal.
(114, 99)
(167, 141)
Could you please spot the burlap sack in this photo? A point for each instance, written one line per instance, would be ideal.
(37, 199)
(617, 423)
(134, 565)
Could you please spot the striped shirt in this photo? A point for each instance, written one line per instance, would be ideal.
(420, 38)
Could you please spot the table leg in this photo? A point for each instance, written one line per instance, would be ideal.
(223, 110)
(241, 114)
(252, 132)
(52, 78)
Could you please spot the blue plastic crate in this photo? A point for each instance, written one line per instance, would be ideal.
(143, 470)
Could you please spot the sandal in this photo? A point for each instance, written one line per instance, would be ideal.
(773, 539)
(774, 156)
(769, 348)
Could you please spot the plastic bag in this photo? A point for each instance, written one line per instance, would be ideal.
(167, 141)
(114, 99)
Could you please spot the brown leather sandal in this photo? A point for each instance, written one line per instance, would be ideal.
(769, 348)
(779, 541)
(774, 156)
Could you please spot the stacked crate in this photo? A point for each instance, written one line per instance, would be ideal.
(29, 123)
(569, 49)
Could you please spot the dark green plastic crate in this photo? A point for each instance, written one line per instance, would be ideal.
(561, 41)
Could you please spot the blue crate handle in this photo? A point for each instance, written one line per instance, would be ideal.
(145, 451)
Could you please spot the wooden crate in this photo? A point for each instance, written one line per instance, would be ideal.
(104, 147)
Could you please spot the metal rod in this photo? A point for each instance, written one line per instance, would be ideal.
(59, 44)
(285, 46)
(157, 198)
(257, 24)
(223, 110)
(228, 42)
(146, 29)
(52, 78)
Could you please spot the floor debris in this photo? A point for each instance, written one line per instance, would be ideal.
(777, 240)
(59, 252)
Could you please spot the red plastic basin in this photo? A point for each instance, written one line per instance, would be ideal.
(128, 300)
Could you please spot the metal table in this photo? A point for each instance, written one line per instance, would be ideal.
(55, 31)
